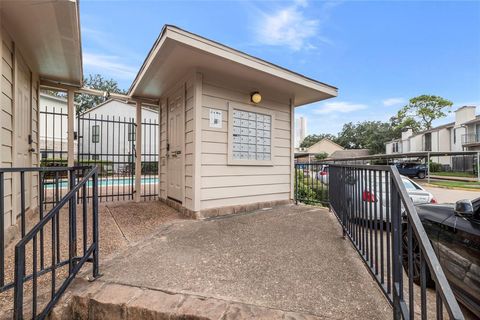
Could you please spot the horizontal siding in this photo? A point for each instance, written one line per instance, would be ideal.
(6, 122)
(224, 185)
(189, 140)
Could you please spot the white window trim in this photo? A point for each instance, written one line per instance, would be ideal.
(257, 109)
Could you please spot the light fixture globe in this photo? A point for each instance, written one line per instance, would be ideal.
(256, 97)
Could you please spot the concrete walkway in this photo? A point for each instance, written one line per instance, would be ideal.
(290, 258)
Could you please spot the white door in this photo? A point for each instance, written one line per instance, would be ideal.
(23, 119)
(175, 140)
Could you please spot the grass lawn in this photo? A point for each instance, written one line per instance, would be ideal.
(454, 174)
(457, 184)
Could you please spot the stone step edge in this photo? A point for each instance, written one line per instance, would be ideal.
(103, 300)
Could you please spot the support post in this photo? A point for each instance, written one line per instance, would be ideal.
(478, 166)
(428, 166)
(70, 128)
(138, 152)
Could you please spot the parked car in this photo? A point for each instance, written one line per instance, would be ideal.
(412, 170)
(322, 175)
(454, 231)
(377, 195)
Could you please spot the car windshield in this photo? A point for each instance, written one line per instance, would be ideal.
(409, 185)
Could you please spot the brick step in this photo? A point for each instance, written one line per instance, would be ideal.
(100, 300)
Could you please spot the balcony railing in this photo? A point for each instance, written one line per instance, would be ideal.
(470, 138)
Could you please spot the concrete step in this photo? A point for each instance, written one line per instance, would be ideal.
(101, 300)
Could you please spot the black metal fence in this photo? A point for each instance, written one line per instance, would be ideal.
(150, 159)
(311, 183)
(107, 142)
(47, 257)
(53, 137)
(377, 215)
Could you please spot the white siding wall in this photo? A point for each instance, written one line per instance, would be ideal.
(189, 141)
(6, 121)
(226, 185)
(9, 55)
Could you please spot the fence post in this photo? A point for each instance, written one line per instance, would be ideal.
(70, 128)
(19, 275)
(95, 237)
(478, 166)
(138, 152)
(396, 247)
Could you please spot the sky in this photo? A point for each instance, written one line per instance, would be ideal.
(378, 54)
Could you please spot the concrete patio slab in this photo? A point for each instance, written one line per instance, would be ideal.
(290, 258)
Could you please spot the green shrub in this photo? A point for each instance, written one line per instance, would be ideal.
(435, 167)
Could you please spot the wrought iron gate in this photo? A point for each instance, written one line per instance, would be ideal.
(109, 143)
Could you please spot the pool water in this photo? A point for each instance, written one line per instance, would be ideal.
(105, 182)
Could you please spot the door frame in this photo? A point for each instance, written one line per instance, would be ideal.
(172, 93)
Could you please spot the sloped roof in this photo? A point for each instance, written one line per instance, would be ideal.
(176, 52)
(325, 140)
(349, 153)
(48, 34)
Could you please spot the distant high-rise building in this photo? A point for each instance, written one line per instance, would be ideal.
(300, 130)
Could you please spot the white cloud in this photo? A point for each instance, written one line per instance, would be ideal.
(393, 101)
(109, 65)
(288, 27)
(339, 107)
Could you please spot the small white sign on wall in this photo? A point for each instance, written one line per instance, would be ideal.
(215, 118)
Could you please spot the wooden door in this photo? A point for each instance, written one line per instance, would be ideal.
(23, 120)
(175, 152)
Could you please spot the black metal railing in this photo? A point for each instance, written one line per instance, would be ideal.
(311, 183)
(45, 248)
(149, 161)
(377, 215)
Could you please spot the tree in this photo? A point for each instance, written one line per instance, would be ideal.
(421, 111)
(96, 81)
(311, 139)
(370, 135)
(321, 156)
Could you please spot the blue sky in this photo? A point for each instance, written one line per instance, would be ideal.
(378, 53)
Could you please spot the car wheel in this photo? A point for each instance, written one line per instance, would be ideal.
(421, 175)
(416, 259)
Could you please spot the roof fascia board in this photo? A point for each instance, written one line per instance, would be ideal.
(228, 53)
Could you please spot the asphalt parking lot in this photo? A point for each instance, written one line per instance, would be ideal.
(444, 195)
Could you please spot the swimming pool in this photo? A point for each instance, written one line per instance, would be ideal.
(63, 184)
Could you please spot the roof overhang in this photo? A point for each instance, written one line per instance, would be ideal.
(48, 35)
(177, 51)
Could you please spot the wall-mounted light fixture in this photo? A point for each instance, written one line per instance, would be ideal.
(255, 97)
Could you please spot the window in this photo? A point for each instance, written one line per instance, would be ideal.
(131, 132)
(428, 141)
(250, 136)
(95, 134)
(477, 133)
(395, 147)
(454, 136)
